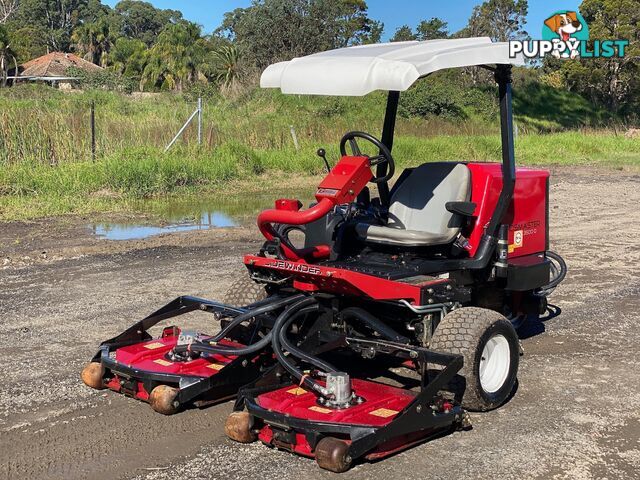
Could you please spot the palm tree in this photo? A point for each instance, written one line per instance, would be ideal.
(93, 41)
(176, 58)
(128, 57)
(224, 69)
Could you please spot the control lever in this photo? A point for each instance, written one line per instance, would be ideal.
(323, 155)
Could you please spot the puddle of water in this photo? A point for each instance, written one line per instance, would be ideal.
(201, 213)
(137, 232)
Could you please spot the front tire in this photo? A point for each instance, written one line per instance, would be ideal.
(244, 291)
(489, 344)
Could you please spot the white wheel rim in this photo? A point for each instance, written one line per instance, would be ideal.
(494, 363)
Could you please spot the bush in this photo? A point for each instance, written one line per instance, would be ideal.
(431, 98)
(104, 80)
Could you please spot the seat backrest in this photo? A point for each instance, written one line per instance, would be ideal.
(419, 202)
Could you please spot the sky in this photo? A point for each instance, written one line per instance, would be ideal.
(393, 13)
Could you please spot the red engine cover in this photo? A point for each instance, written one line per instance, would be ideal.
(527, 214)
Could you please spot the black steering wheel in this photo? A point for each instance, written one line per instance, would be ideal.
(384, 158)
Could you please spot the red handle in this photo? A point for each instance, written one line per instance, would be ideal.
(288, 217)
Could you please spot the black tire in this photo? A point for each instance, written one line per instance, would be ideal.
(466, 331)
(244, 291)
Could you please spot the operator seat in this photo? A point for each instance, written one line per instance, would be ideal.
(418, 215)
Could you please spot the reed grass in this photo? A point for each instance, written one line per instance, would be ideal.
(46, 167)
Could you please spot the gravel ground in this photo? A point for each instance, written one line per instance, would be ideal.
(574, 415)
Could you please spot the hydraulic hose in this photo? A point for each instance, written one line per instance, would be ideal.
(374, 323)
(269, 307)
(217, 349)
(296, 352)
(563, 270)
(223, 350)
(277, 348)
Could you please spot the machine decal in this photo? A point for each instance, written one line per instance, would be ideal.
(154, 345)
(297, 391)
(517, 238)
(315, 408)
(329, 192)
(384, 413)
(294, 267)
(162, 362)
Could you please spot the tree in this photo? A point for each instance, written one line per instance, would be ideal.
(7, 8)
(611, 82)
(143, 21)
(272, 30)
(7, 57)
(502, 20)
(128, 57)
(55, 18)
(224, 65)
(176, 58)
(432, 29)
(28, 43)
(403, 34)
(93, 41)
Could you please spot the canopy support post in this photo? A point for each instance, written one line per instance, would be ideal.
(387, 138)
(503, 79)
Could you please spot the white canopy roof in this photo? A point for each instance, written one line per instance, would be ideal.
(356, 71)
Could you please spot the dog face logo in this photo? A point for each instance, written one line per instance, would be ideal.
(568, 29)
(564, 24)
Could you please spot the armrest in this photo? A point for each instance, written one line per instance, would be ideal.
(465, 209)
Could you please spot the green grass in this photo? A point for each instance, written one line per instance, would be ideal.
(30, 190)
(45, 166)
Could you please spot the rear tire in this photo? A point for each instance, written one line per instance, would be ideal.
(244, 291)
(490, 347)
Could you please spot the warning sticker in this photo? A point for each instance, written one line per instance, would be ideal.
(297, 391)
(215, 366)
(162, 362)
(384, 413)
(315, 408)
(518, 237)
(154, 345)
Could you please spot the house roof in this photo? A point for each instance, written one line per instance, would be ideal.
(356, 71)
(55, 64)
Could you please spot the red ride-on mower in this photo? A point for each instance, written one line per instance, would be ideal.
(397, 314)
(410, 301)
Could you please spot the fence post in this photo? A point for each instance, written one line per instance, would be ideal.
(295, 137)
(199, 120)
(93, 130)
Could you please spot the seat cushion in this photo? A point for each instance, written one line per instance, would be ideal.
(397, 236)
(418, 214)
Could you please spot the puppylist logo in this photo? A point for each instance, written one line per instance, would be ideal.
(565, 34)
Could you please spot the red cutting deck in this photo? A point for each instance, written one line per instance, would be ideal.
(381, 404)
(151, 356)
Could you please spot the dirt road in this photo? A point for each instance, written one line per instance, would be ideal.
(575, 414)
